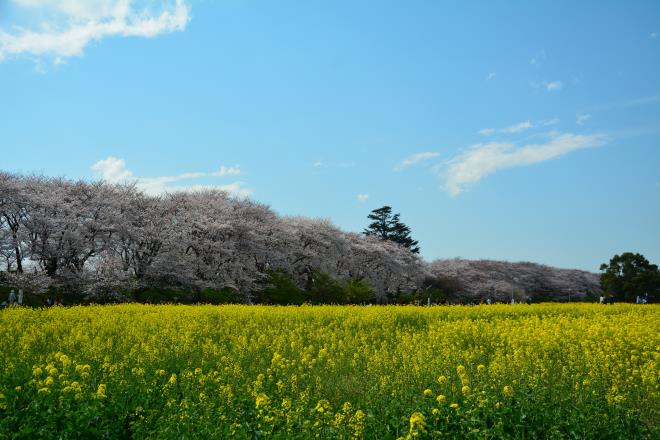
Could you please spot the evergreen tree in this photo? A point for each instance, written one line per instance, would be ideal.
(387, 226)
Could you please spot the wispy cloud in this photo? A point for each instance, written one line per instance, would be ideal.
(582, 118)
(491, 75)
(549, 86)
(641, 101)
(71, 25)
(481, 160)
(519, 127)
(552, 86)
(362, 198)
(538, 58)
(415, 159)
(226, 171)
(114, 170)
(515, 128)
(653, 35)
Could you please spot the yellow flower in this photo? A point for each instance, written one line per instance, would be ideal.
(417, 423)
(508, 391)
(481, 368)
(466, 390)
(442, 380)
(172, 380)
(64, 359)
(160, 372)
(262, 400)
(454, 406)
(441, 399)
(49, 381)
(322, 406)
(428, 393)
(101, 391)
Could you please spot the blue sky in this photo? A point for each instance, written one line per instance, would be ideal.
(524, 131)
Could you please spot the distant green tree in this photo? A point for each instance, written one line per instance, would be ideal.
(628, 275)
(282, 289)
(325, 289)
(387, 226)
(358, 290)
(226, 295)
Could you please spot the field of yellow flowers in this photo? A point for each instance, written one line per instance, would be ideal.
(499, 371)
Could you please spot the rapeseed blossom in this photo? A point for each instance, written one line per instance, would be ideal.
(331, 372)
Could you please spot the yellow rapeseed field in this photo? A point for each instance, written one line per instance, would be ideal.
(499, 371)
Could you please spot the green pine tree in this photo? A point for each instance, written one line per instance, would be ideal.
(388, 226)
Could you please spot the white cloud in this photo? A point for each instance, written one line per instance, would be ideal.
(362, 197)
(481, 160)
(64, 28)
(227, 171)
(114, 170)
(519, 127)
(581, 118)
(516, 128)
(547, 122)
(317, 164)
(414, 159)
(552, 86)
(653, 35)
(491, 75)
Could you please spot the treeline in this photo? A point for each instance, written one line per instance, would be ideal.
(96, 242)
(503, 280)
(100, 242)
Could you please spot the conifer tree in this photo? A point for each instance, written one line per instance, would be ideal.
(388, 226)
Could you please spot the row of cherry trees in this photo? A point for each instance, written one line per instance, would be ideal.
(103, 239)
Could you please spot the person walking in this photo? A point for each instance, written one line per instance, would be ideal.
(20, 297)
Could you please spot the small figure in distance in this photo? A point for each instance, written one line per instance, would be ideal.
(602, 299)
(20, 297)
(11, 301)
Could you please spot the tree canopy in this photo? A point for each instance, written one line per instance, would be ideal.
(388, 226)
(101, 242)
(629, 275)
